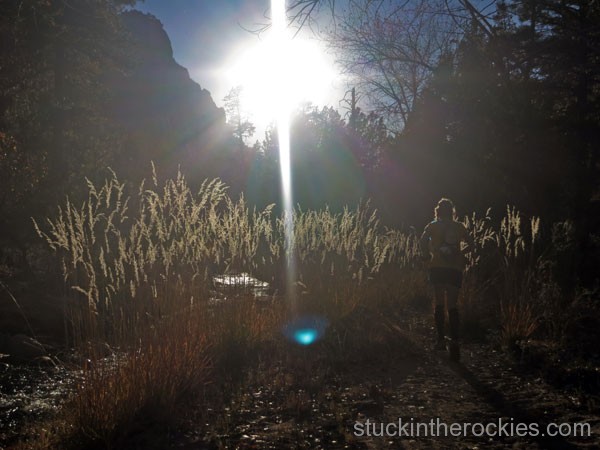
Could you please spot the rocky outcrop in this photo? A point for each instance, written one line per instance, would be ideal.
(168, 117)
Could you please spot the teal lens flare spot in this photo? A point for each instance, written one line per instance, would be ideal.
(305, 330)
(306, 336)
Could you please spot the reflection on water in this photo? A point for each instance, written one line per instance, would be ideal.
(240, 284)
(29, 393)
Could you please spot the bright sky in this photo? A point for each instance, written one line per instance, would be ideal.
(208, 38)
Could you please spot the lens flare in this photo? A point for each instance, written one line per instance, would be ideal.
(306, 330)
(306, 336)
(283, 130)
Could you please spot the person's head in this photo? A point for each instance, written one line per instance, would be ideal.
(445, 210)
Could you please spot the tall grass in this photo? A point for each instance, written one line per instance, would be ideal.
(133, 258)
(140, 264)
(502, 281)
(156, 253)
(151, 256)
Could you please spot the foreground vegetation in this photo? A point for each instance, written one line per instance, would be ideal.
(500, 106)
(153, 335)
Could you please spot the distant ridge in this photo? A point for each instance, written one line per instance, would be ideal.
(168, 117)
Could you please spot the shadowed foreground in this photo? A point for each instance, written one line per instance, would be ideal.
(302, 403)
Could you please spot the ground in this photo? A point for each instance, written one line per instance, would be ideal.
(302, 397)
(305, 406)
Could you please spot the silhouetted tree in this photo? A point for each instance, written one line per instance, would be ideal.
(54, 120)
(241, 125)
(390, 49)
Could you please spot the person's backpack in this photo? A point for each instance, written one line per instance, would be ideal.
(449, 248)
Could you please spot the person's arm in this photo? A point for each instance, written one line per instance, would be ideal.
(424, 243)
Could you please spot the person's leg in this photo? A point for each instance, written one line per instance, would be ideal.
(439, 314)
(454, 324)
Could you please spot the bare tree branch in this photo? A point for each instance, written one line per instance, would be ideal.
(390, 49)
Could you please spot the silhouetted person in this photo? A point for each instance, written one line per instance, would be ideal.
(441, 247)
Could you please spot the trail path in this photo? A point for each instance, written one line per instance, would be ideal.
(291, 409)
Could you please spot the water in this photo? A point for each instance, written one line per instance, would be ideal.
(233, 285)
(30, 393)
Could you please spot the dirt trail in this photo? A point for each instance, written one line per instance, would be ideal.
(292, 408)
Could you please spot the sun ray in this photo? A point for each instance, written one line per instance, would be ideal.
(283, 131)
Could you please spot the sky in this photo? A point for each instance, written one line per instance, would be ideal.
(204, 33)
(209, 36)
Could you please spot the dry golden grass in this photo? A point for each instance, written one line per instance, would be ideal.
(132, 260)
(519, 322)
(502, 285)
(147, 385)
(140, 267)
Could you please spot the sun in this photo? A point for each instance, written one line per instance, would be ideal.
(278, 73)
